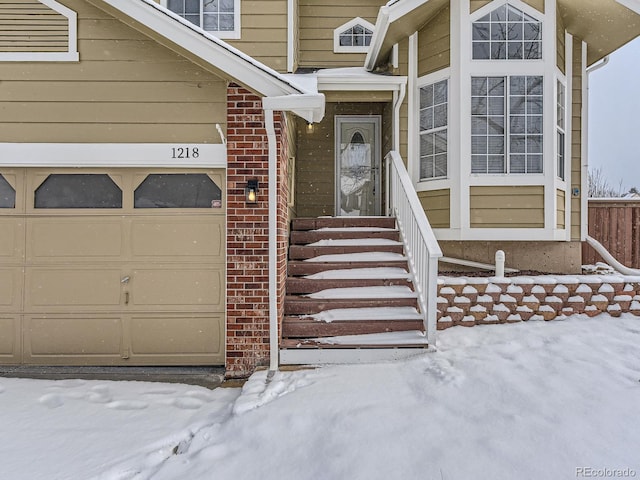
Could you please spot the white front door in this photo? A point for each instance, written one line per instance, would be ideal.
(358, 166)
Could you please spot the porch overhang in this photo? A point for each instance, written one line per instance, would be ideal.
(605, 25)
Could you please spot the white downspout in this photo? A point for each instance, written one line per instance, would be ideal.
(398, 98)
(273, 243)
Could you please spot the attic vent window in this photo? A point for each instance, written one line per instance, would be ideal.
(353, 37)
(507, 34)
(221, 17)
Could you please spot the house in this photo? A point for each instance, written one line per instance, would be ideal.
(153, 154)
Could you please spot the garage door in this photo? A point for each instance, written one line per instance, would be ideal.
(112, 267)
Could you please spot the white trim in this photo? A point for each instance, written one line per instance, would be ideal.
(568, 67)
(549, 123)
(500, 234)
(226, 34)
(520, 5)
(337, 48)
(71, 55)
(413, 99)
(292, 19)
(584, 162)
(111, 155)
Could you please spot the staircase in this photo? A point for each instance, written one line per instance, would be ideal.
(349, 293)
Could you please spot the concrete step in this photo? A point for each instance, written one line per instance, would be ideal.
(295, 305)
(342, 222)
(305, 237)
(301, 252)
(305, 285)
(307, 327)
(299, 268)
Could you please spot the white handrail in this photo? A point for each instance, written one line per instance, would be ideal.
(420, 243)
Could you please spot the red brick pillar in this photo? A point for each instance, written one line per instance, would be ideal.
(248, 232)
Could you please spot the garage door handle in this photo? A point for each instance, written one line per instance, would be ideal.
(126, 298)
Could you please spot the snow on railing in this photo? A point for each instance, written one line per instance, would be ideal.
(420, 243)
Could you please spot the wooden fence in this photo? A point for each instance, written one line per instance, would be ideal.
(615, 223)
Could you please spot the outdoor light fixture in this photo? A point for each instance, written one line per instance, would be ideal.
(310, 127)
(251, 191)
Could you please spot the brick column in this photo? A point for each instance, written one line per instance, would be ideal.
(248, 232)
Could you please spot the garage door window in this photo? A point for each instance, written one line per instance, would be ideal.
(78, 191)
(7, 194)
(177, 190)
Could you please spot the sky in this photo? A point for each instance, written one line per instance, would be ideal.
(614, 118)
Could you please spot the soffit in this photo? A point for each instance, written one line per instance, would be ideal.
(605, 25)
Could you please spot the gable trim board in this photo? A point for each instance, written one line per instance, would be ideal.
(71, 55)
(161, 155)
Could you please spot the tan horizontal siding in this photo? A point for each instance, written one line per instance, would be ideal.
(477, 4)
(30, 26)
(560, 209)
(437, 206)
(126, 88)
(576, 139)
(507, 207)
(434, 44)
(264, 32)
(317, 23)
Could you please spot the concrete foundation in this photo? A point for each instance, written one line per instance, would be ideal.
(548, 257)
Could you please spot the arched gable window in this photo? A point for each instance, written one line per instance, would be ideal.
(507, 33)
(353, 37)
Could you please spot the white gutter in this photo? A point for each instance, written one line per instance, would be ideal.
(604, 253)
(274, 347)
(312, 106)
(398, 98)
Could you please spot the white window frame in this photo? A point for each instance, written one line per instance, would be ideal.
(337, 48)
(561, 129)
(433, 130)
(71, 55)
(506, 135)
(225, 34)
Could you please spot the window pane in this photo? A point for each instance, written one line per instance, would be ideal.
(534, 124)
(478, 106)
(498, 50)
(532, 31)
(517, 164)
(496, 106)
(426, 168)
(426, 96)
(426, 119)
(440, 92)
(534, 144)
(479, 86)
(176, 190)
(211, 23)
(518, 144)
(481, 31)
(192, 6)
(481, 51)
(427, 144)
(440, 142)
(496, 126)
(534, 163)
(479, 126)
(515, 31)
(176, 6)
(7, 194)
(495, 145)
(532, 50)
(478, 164)
(496, 164)
(440, 167)
(534, 85)
(514, 15)
(226, 23)
(517, 124)
(499, 14)
(78, 190)
(440, 116)
(496, 86)
(479, 145)
(515, 51)
(498, 31)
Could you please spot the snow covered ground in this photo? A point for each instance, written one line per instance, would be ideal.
(533, 400)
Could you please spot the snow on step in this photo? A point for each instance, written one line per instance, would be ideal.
(364, 292)
(345, 242)
(370, 313)
(413, 337)
(354, 229)
(360, 273)
(359, 257)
